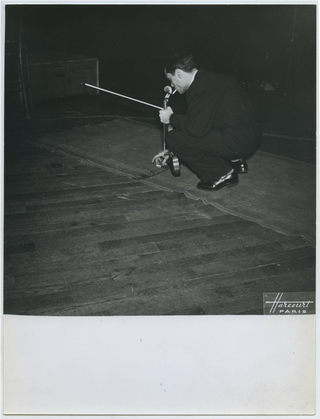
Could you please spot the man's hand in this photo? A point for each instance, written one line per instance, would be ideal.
(165, 115)
(161, 158)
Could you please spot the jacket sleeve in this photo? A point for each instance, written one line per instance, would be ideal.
(199, 118)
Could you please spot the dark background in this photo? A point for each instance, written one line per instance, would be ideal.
(255, 43)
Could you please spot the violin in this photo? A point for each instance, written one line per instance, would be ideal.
(172, 162)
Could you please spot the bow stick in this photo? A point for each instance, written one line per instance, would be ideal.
(126, 97)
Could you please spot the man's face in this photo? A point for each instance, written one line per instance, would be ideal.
(179, 81)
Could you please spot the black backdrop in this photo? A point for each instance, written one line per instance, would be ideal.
(273, 43)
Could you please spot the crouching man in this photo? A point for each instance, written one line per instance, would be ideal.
(219, 128)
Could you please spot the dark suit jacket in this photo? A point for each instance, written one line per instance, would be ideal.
(217, 102)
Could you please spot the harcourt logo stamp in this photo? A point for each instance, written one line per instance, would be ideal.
(289, 303)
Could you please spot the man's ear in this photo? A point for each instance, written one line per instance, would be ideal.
(179, 73)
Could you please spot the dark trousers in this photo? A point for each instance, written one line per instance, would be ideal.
(208, 157)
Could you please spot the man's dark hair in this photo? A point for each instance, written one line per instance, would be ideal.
(184, 61)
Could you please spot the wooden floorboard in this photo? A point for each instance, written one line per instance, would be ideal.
(80, 240)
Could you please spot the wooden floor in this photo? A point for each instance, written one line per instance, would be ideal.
(80, 240)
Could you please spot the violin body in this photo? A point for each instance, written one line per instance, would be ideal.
(174, 165)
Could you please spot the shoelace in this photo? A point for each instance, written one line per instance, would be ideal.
(223, 178)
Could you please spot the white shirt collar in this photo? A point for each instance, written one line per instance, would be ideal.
(194, 75)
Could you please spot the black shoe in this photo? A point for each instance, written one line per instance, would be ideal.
(227, 180)
(240, 166)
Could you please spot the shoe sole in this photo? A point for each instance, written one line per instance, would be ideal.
(229, 185)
